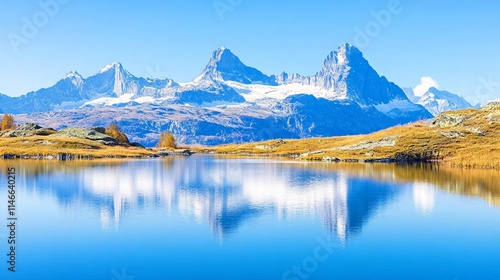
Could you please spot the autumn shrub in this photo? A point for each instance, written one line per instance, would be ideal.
(114, 131)
(167, 140)
(7, 122)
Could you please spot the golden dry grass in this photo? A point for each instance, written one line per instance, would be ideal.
(418, 140)
(44, 146)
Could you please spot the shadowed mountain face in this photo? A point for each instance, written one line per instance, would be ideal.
(228, 102)
(348, 75)
(295, 117)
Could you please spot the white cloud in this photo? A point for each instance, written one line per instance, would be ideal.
(425, 84)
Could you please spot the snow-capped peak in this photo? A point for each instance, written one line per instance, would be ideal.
(73, 74)
(123, 80)
(224, 58)
(220, 60)
(114, 65)
(75, 78)
(437, 101)
(342, 56)
(221, 50)
(346, 51)
(226, 66)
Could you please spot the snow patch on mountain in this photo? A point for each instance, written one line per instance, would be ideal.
(347, 75)
(256, 93)
(425, 84)
(75, 78)
(436, 101)
(433, 99)
(228, 102)
(225, 66)
(114, 65)
(123, 99)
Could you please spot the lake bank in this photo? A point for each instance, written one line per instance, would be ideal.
(466, 138)
(41, 147)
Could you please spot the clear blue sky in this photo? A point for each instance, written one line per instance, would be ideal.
(456, 43)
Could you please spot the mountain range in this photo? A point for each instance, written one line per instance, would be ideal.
(229, 102)
(437, 101)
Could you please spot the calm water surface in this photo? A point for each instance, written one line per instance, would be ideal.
(204, 217)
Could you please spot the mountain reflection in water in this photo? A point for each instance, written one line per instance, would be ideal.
(227, 193)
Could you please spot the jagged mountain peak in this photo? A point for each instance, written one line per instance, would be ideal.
(346, 96)
(347, 75)
(437, 101)
(349, 49)
(226, 66)
(343, 56)
(224, 60)
(435, 90)
(221, 52)
(73, 75)
(456, 99)
(112, 66)
(75, 78)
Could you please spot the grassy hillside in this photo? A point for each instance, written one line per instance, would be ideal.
(44, 146)
(466, 138)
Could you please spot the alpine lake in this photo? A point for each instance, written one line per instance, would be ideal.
(210, 217)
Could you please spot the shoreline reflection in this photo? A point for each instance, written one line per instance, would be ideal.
(227, 193)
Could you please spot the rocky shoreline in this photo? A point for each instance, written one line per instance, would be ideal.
(468, 138)
(69, 156)
(400, 158)
(31, 141)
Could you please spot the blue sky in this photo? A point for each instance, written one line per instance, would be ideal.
(457, 44)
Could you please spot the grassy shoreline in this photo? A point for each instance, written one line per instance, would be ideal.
(43, 147)
(466, 138)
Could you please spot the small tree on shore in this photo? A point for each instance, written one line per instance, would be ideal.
(167, 140)
(7, 122)
(114, 131)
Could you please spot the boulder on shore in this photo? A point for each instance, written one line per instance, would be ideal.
(446, 119)
(90, 134)
(27, 130)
